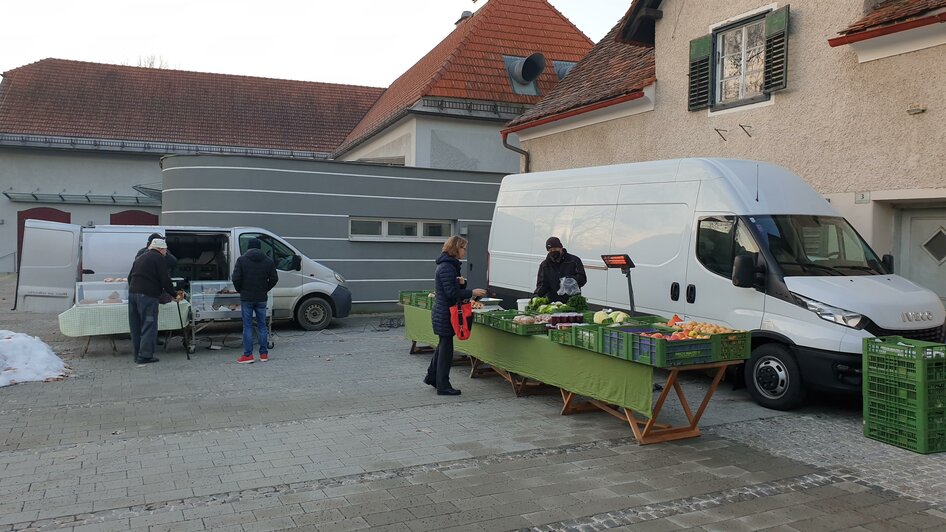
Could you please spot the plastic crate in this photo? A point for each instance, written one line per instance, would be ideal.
(666, 353)
(588, 336)
(564, 336)
(903, 358)
(931, 441)
(422, 300)
(616, 341)
(643, 319)
(524, 329)
(732, 346)
(495, 318)
(906, 393)
(884, 413)
(406, 297)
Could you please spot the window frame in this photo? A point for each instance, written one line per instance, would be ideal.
(386, 237)
(715, 69)
(733, 237)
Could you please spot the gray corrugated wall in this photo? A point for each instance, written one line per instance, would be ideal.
(309, 203)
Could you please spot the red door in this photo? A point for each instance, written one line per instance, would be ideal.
(38, 213)
(133, 218)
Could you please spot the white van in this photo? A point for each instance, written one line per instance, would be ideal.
(56, 255)
(742, 243)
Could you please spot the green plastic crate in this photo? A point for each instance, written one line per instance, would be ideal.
(903, 358)
(588, 336)
(564, 336)
(732, 346)
(422, 299)
(616, 340)
(666, 353)
(644, 319)
(496, 317)
(918, 396)
(924, 442)
(521, 328)
(406, 297)
(884, 413)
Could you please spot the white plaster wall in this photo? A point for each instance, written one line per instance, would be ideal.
(463, 145)
(55, 172)
(400, 140)
(840, 124)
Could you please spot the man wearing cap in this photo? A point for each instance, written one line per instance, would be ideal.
(254, 275)
(147, 279)
(170, 259)
(558, 264)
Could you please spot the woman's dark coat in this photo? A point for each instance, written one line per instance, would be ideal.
(448, 291)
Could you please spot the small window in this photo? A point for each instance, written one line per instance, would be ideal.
(741, 59)
(366, 227)
(399, 229)
(440, 229)
(402, 228)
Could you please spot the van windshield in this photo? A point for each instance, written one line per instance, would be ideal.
(805, 245)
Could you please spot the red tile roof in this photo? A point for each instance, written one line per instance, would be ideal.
(77, 99)
(893, 11)
(468, 63)
(612, 69)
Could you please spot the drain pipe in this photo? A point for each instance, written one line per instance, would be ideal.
(516, 149)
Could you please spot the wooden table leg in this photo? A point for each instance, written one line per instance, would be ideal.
(415, 350)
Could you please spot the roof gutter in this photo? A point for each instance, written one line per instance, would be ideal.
(887, 30)
(527, 158)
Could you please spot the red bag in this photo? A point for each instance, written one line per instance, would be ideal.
(461, 317)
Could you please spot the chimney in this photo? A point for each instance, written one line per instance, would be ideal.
(464, 16)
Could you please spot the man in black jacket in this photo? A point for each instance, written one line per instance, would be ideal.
(558, 264)
(169, 258)
(253, 277)
(147, 279)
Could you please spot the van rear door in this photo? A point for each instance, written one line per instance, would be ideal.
(49, 267)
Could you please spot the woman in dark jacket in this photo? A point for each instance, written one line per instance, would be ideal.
(450, 287)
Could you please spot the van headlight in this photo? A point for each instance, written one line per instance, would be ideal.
(833, 314)
(339, 278)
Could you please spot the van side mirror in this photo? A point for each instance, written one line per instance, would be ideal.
(887, 261)
(296, 263)
(743, 271)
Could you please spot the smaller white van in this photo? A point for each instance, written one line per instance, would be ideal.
(56, 255)
(741, 243)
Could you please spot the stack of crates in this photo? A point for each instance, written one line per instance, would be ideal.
(905, 393)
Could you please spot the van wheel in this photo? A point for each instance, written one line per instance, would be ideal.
(314, 314)
(773, 378)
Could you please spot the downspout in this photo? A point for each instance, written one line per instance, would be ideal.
(516, 149)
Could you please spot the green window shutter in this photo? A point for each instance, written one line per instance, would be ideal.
(701, 51)
(776, 50)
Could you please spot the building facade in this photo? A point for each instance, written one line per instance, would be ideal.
(857, 111)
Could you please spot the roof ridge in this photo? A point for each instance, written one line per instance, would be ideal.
(156, 70)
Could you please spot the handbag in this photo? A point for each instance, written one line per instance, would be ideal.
(461, 317)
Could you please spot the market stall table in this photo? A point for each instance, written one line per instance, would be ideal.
(616, 386)
(111, 319)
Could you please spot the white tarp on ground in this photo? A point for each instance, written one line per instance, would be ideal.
(25, 358)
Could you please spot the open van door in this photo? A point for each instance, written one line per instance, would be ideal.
(49, 267)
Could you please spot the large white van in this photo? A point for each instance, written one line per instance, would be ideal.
(56, 255)
(742, 243)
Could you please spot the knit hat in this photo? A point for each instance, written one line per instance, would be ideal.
(158, 243)
(553, 242)
(254, 243)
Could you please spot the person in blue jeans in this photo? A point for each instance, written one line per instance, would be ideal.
(253, 277)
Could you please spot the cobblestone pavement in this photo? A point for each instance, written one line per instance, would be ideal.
(336, 432)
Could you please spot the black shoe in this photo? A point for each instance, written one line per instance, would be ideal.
(430, 381)
(448, 391)
(146, 360)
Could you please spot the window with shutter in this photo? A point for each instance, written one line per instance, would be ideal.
(740, 63)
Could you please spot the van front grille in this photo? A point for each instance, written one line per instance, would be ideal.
(936, 334)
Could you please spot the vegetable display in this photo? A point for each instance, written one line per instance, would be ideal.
(578, 302)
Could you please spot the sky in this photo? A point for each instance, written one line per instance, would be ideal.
(358, 42)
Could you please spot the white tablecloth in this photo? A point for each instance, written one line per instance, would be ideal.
(92, 320)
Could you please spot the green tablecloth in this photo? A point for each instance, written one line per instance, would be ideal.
(580, 371)
(93, 320)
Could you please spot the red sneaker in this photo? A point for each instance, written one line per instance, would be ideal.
(263, 357)
(245, 359)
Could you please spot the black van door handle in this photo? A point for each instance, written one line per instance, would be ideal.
(675, 291)
(691, 293)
